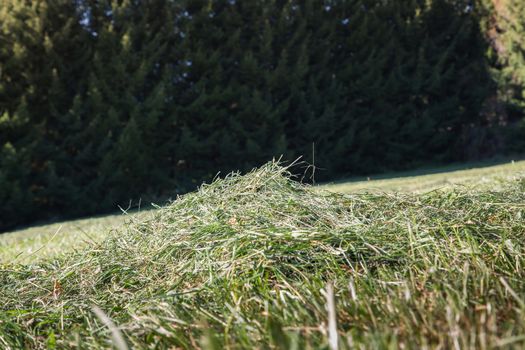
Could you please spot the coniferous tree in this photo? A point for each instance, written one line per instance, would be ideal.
(508, 41)
(106, 101)
(125, 100)
(41, 71)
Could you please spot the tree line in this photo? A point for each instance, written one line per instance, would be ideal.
(102, 102)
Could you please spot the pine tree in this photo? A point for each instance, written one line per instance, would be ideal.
(39, 67)
(125, 101)
(106, 101)
(507, 35)
(458, 82)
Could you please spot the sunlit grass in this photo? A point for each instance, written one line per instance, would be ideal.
(50, 240)
(478, 176)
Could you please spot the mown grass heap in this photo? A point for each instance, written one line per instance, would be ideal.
(245, 263)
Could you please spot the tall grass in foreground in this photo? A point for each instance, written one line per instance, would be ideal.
(260, 261)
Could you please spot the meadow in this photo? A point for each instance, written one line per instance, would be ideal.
(261, 261)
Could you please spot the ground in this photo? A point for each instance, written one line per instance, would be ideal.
(261, 261)
(31, 244)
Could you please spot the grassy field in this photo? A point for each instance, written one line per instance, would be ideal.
(474, 175)
(43, 241)
(50, 240)
(259, 261)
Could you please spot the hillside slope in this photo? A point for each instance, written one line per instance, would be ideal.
(474, 176)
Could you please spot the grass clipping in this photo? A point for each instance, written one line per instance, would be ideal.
(261, 261)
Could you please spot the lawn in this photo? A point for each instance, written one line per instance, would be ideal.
(473, 175)
(260, 261)
(49, 240)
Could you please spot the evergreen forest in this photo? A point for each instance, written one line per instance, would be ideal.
(109, 102)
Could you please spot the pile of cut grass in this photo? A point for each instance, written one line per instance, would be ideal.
(255, 261)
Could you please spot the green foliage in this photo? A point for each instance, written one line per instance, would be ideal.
(508, 41)
(512, 24)
(108, 101)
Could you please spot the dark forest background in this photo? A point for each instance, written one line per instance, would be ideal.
(103, 102)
